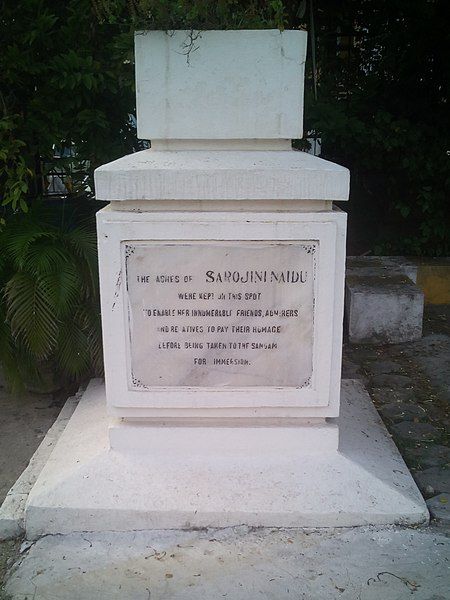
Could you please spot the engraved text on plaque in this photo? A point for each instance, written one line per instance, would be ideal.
(212, 314)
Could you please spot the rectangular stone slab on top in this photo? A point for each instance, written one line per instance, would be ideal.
(220, 84)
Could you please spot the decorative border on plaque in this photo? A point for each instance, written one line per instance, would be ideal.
(311, 249)
(129, 249)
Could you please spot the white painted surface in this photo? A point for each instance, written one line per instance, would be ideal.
(364, 563)
(221, 175)
(235, 442)
(227, 84)
(86, 487)
(208, 144)
(383, 309)
(320, 398)
(222, 206)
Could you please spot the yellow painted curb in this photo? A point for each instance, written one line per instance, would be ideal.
(434, 281)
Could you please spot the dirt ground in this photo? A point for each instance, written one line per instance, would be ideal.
(25, 419)
(24, 423)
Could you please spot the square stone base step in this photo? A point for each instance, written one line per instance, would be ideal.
(86, 486)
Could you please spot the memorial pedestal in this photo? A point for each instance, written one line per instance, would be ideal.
(222, 281)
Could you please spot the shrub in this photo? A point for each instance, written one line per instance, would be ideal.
(49, 309)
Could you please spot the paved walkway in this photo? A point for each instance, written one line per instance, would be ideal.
(237, 564)
(410, 386)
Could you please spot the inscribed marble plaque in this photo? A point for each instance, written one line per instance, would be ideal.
(220, 314)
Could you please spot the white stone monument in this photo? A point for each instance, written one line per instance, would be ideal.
(222, 280)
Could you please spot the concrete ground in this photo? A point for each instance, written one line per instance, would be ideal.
(409, 384)
(237, 564)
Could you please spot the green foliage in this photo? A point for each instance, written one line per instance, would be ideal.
(13, 170)
(194, 14)
(49, 304)
(66, 82)
(382, 110)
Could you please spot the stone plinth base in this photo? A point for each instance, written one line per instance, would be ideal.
(232, 442)
(85, 486)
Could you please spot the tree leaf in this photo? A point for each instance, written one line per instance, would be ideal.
(30, 313)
